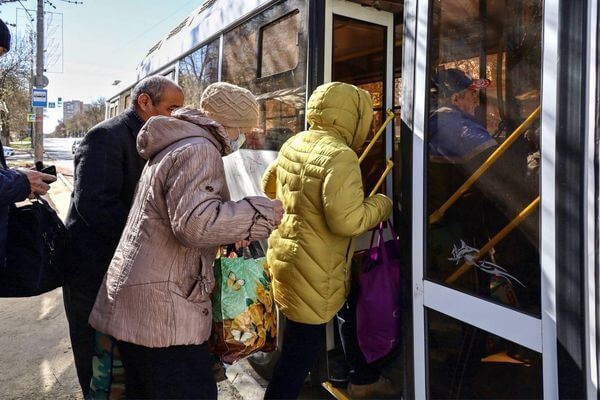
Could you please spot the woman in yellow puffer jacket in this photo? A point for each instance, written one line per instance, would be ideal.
(318, 179)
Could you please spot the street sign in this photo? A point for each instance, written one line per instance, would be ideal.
(39, 98)
(51, 104)
(30, 117)
(59, 102)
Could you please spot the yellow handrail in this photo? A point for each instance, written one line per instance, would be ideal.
(390, 117)
(439, 213)
(388, 167)
(494, 241)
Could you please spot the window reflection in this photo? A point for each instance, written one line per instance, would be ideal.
(485, 81)
(197, 71)
(279, 45)
(276, 78)
(469, 363)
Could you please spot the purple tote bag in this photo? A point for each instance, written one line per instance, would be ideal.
(378, 306)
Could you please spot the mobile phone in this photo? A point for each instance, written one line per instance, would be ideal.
(50, 170)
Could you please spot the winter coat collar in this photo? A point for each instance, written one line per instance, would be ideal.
(160, 132)
(133, 121)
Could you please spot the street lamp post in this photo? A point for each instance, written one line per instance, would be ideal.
(38, 138)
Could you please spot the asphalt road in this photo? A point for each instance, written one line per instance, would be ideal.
(59, 152)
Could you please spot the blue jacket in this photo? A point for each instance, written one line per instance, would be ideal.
(14, 187)
(455, 137)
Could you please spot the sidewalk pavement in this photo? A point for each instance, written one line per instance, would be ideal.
(59, 195)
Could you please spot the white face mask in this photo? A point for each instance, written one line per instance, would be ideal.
(235, 144)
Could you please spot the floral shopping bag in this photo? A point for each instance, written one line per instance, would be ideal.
(244, 316)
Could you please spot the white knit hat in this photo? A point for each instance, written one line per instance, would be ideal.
(230, 105)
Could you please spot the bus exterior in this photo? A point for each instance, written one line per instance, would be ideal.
(495, 183)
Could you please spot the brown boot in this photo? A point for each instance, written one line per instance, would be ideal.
(382, 388)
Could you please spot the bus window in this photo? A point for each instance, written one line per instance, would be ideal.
(239, 54)
(279, 45)
(127, 100)
(197, 71)
(276, 78)
(170, 75)
(485, 77)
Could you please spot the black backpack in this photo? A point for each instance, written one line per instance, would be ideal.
(35, 250)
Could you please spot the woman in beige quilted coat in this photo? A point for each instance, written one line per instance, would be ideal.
(155, 296)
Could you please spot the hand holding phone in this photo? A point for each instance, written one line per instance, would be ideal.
(50, 170)
(38, 181)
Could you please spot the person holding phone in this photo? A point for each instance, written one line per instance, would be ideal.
(15, 184)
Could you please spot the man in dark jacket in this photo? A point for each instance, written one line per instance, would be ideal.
(15, 185)
(107, 170)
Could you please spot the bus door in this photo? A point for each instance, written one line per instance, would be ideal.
(482, 297)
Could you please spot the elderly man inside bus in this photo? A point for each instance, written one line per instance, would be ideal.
(458, 144)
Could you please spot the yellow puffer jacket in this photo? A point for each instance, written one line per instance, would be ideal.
(318, 179)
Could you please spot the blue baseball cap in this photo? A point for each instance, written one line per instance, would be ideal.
(454, 80)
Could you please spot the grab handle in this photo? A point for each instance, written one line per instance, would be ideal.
(388, 167)
(390, 117)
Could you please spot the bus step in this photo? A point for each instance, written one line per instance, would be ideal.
(338, 393)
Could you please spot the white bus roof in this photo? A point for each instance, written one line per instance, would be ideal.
(212, 17)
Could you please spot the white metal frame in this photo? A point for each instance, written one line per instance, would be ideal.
(421, 10)
(534, 333)
(589, 189)
(548, 203)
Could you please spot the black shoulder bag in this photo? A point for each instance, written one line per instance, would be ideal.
(35, 250)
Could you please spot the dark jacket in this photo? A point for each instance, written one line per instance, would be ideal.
(107, 170)
(14, 186)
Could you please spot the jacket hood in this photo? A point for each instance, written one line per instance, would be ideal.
(159, 132)
(341, 109)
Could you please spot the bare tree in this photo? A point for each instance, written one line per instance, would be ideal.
(82, 122)
(15, 73)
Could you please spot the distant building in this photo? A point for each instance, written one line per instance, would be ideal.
(71, 108)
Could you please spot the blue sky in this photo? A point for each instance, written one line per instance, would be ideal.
(103, 41)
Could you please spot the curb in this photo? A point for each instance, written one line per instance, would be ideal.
(65, 181)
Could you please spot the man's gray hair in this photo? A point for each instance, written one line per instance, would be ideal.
(153, 86)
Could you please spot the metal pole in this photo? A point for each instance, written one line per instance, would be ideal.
(31, 80)
(38, 149)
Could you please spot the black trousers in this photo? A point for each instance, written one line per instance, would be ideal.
(299, 351)
(79, 301)
(175, 372)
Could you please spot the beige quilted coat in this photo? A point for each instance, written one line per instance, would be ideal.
(156, 291)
